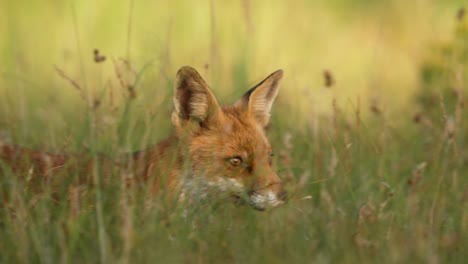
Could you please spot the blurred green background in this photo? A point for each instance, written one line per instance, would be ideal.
(372, 48)
(375, 163)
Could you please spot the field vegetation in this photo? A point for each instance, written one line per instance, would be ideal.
(370, 128)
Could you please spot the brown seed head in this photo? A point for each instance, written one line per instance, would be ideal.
(328, 78)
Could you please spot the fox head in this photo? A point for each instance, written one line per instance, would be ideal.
(226, 146)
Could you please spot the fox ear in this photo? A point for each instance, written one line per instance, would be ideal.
(258, 100)
(193, 100)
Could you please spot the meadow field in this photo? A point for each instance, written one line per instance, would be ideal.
(370, 128)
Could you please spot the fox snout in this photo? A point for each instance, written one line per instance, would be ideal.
(270, 196)
(268, 200)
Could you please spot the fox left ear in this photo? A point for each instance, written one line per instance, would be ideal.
(193, 101)
(258, 100)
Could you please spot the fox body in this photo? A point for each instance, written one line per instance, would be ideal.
(215, 150)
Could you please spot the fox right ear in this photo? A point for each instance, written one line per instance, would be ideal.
(193, 100)
(258, 100)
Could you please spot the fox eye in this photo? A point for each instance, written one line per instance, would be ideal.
(235, 161)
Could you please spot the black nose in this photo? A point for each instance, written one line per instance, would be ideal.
(283, 196)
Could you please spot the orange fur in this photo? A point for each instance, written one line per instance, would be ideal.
(216, 150)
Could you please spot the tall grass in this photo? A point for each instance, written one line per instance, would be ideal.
(368, 182)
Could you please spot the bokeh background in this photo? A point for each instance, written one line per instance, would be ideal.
(372, 48)
(369, 128)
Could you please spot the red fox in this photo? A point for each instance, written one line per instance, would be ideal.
(215, 149)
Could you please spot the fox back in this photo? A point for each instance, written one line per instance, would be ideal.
(220, 150)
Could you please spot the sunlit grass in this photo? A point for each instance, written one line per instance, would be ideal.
(375, 163)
